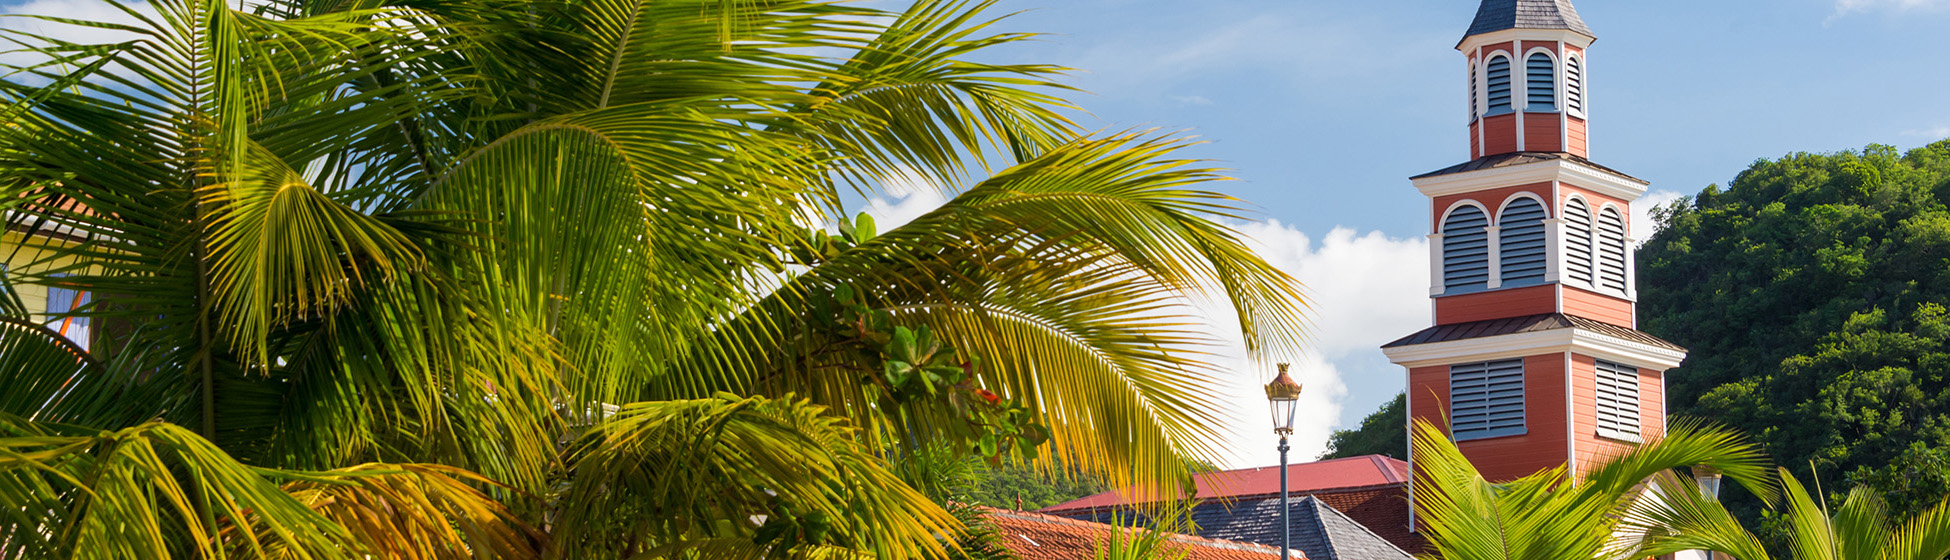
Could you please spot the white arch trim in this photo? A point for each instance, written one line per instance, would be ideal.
(1523, 194)
(1446, 213)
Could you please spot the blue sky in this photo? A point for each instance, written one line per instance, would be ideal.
(1323, 109)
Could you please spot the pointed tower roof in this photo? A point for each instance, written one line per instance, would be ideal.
(1498, 15)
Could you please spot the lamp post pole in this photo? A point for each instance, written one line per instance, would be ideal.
(1282, 395)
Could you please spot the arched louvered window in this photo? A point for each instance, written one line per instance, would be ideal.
(1574, 84)
(1611, 250)
(1540, 74)
(1486, 399)
(1520, 243)
(1498, 76)
(1472, 91)
(1578, 242)
(1618, 400)
(1465, 250)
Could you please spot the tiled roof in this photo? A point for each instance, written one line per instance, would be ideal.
(1519, 158)
(1528, 323)
(1305, 478)
(1498, 15)
(1034, 536)
(1381, 511)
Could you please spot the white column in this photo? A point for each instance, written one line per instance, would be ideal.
(1496, 256)
(1554, 249)
(1631, 269)
(1435, 264)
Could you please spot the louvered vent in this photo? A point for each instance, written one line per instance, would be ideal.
(1574, 84)
(1577, 241)
(1520, 243)
(1541, 76)
(1486, 399)
(1618, 400)
(1611, 250)
(1472, 92)
(1465, 250)
(1499, 85)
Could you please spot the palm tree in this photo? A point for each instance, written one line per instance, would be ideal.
(1555, 514)
(451, 278)
(1859, 530)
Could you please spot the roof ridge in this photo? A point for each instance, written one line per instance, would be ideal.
(1326, 535)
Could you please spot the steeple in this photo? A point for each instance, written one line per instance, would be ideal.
(1534, 361)
(1498, 15)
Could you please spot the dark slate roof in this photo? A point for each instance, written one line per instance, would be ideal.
(1498, 15)
(1512, 159)
(1530, 323)
(1318, 530)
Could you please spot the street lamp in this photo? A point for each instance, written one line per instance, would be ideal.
(1283, 395)
(1708, 479)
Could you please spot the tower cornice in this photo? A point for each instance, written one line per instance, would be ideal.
(1566, 36)
(1589, 342)
(1488, 173)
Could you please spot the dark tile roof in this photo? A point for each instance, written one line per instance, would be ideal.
(1519, 158)
(1034, 536)
(1528, 323)
(1498, 15)
(1318, 530)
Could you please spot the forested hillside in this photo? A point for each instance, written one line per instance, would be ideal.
(1812, 292)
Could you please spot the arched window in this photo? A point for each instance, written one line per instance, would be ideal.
(1577, 241)
(1465, 250)
(1611, 249)
(1499, 85)
(1541, 78)
(1520, 243)
(1574, 84)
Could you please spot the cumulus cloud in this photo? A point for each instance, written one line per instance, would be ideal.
(1847, 6)
(85, 10)
(909, 196)
(1930, 134)
(1366, 289)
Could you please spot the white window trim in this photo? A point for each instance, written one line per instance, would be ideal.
(1597, 238)
(1584, 87)
(1557, 80)
(1496, 245)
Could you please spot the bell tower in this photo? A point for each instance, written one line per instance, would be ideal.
(1534, 360)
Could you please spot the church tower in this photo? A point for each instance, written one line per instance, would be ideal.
(1534, 360)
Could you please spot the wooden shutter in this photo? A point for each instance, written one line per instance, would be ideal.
(1465, 250)
(1574, 84)
(1486, 399)
(1542, 82)
(1577, 241)
(1618, 400)
(1611, 250)
(1499, 84)
(1520, 242)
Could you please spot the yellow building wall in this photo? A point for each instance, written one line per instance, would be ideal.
(22, 255)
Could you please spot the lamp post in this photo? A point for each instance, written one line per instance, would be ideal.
(1282, 395)
(1708, 479)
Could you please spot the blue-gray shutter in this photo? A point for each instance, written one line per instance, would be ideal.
(1618, 400)
(1520, 243)
(1574, 84)
(1486, 399)
(1611, 250)
(1577, 241)
(1542, 81)
(1465, 250)
(1499, 84)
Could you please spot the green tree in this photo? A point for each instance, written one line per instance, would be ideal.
(1383, 432)
(542, 270)
(1812, 292)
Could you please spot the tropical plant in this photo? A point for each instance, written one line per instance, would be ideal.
(1127, 539)
(1861, 529)
(442, 279)
(1557, 514)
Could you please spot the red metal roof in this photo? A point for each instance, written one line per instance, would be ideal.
(1303, 478)
(1033, 536)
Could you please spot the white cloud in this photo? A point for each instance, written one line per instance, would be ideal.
(85, 10)
(1643, 226)
(1366, 289)
(908, 197)
(1930, 134)
(1185, 100)
(1846, 7)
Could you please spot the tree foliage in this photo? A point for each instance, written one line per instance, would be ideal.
(1812, 292)
(1382, 432)
(559, 279)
